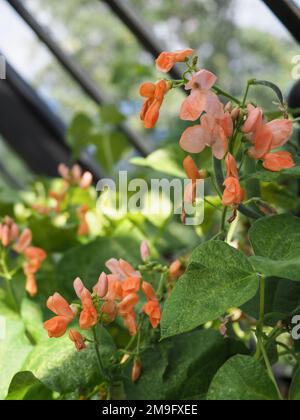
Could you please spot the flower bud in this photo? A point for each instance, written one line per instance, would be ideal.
(101, 288)
(78, 287)
(145, 251)
(86, 180)
(78, 339)
(235, 114)
(229, 106)
(176, 269)
(136, 370)
(63, 171)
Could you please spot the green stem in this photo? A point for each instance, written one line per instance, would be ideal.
(269, 368)
(223, 228)
(246, 93)
(221, 92)
(98, 355)
(161, 286)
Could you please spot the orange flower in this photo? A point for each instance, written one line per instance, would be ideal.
(57, 326)
(234, 193)
(121, 268)
(152, 309)
(89, 316)
(154, 94)
(127, 304)
(83, 229)
(24, 241)
(31, 286)
(278, 161)
(212, 132)
(266, 137)
(167, 60)
(34, 259)
(148, 291)
(78, 339)
(130, 285)
(9, 231)
(201, 99)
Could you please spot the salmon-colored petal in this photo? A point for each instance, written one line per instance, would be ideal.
(233, 193)
(190, 168)
(147, 90)
(231, 166)
(148, 291)
(127, 269)
(281, 130)
(101, 287)
(57, 326)
(262, 143)
(278, 161)
(204, 79)
(78, 287)
(219, 143)
(60, 306)
(131, 285)
(227, 124)
(194, 139)
(166, 60)
(193, 106)
(254, 120)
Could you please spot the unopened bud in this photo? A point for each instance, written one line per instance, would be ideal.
(229, 106)
(235, 113)
(176, 269)
(136, 370)
(145, 251)
(101, 288)
(86, 180)
(124, 359)
(77, 339)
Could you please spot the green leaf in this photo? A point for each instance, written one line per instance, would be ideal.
(242, 378)
(167, 160)
(50, 237)
(13, 351)
(218, 277)
(180, 368)
(276, 244)
(111, 147)
(58, 365)
(109, 114)
(270, 85)
(32, 317)
(282, 300)
(295, 387)
(79, 133)
(25, 386)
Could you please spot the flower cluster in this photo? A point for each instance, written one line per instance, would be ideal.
(218, 126)
(21, 242)
(58, 200)
(114, 294)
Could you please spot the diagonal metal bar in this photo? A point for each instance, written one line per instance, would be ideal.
(288, 13)
(139, 29)
(78, 74)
